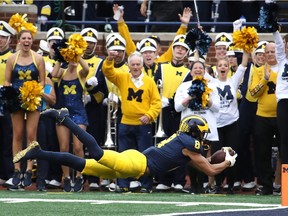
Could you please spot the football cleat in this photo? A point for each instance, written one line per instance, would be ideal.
(58, 114)
(27, 153)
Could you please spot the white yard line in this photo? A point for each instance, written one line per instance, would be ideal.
(256, 206)
(23, 200)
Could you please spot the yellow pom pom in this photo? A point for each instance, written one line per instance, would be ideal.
(246, 38)
(31, 95)
(76, 48)
(30, 27)
(207, 91)
(19, 23)
(16, 21)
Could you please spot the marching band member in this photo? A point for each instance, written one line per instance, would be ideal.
(97, 91)
(7, 168)
(172, 74)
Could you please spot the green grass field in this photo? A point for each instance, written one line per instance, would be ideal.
(24, 203)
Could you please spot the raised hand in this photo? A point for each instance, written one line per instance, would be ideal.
(143, 8)
(186, 15)
(112, 55)
(118, 12)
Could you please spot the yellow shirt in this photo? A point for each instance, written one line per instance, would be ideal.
(136, 102)
(172, 77)
(3, 61)
(264, 90)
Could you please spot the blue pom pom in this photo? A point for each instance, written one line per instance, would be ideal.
(59, 44)
(10, 99)
(268, 17)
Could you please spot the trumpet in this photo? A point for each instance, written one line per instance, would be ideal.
(160, 131)
(112, 108)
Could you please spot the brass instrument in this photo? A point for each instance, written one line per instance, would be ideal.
(112, 108)
(160, 131)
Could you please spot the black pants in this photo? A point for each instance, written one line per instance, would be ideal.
(282, 121)
(247, 112)
(6, 164)
(265, 130)
(227, 137)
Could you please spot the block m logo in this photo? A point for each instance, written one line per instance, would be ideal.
(285, 169)
(132, 95)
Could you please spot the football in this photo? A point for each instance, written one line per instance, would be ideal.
(219, 156)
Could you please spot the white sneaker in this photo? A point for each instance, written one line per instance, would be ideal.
(54, 184)
(178, 187)
(135, 184)
(104, 182)
(93, 186)
(112, 186)
(205, 184)
(249, 186)
(237, 186)
(8, 183)
(162, 187)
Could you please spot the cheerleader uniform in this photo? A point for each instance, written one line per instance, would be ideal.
(21, 73)
(70, 94)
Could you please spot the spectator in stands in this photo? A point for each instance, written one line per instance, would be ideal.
(227, 117)
(247, 113)
(263, 88)
(281, 90)
(54, 176)
(97, 91)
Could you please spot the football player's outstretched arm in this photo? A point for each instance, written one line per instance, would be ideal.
(202, 164)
